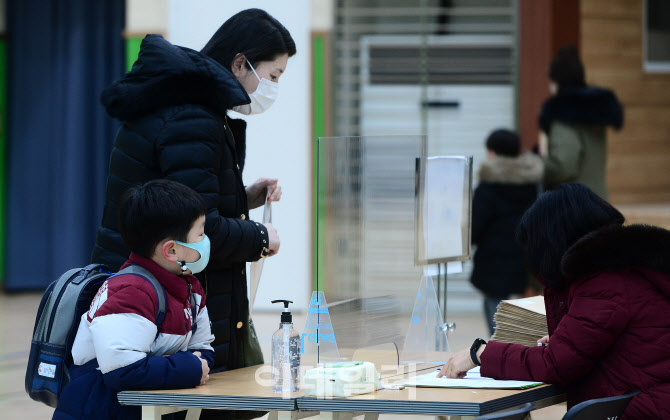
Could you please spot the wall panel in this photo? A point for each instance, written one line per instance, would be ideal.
(639, 155)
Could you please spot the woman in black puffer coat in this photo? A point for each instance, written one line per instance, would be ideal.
(174, 105)
(508, 186)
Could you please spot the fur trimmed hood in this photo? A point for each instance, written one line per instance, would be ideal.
(616, 248)
(526, 168)
(582, 105)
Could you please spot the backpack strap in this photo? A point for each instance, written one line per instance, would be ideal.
(160, 290)
(85, 271)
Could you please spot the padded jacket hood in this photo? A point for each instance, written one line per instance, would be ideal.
(166, 75)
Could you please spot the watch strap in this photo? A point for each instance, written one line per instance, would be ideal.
(473, 350)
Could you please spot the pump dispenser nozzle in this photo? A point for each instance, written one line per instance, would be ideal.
(286, 316)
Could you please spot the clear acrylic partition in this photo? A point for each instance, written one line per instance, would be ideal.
(367, 206)
(426, 339)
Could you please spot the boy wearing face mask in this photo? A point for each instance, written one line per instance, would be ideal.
(118, 344)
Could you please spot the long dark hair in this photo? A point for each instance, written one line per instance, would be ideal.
(566, 69)
(555, 222)
(252, 32)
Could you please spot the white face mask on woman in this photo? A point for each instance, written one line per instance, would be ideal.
(263, 97)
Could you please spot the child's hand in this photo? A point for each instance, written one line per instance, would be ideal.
(205, 368)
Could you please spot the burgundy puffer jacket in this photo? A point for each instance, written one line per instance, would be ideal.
(609, 329)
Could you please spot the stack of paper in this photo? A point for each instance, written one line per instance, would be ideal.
(521, 321)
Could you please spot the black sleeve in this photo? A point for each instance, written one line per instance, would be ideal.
(189, 152)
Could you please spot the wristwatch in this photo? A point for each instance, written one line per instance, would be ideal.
(473, 350)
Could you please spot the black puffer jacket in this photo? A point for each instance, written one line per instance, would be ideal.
(507, 188)
(173, 104)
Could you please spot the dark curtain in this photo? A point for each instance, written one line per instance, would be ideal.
(61, 54)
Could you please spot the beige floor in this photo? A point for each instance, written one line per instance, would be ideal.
(17, 316)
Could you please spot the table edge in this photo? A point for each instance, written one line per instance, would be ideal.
(428, 407)
(141, 398)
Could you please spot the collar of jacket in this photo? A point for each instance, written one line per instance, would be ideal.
(582, 105)
(168, 75)
(526, 168)
(174, 285)
(617, 248)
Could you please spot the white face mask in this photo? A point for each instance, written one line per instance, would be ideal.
(262, 98)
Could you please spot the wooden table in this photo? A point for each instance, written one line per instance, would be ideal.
(240, 390)
(234, 390)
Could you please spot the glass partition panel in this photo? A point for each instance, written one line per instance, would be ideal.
(367, 189)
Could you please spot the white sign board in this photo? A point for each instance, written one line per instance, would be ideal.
(443, 209)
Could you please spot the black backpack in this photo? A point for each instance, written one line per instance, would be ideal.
(57, 322)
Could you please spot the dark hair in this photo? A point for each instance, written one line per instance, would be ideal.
(252, 32)
(504, 142)
(155, 211)
(555, 222)
(566, 68)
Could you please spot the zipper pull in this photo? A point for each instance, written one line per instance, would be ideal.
(188, 305)
(194, 309)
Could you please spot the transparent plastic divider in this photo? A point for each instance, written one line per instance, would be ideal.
(426, 339)
(317, 342)
(366, 237)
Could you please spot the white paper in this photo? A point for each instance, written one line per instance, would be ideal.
(454, 267)
(257, 266)
(472, 380)
(443, 207)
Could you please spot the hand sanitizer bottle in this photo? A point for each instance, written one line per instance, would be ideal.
(285, 354)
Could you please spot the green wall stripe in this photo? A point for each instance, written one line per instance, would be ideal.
(3, 146)
(319, 128)
(132, 50)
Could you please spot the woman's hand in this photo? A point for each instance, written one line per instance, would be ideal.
(261, 189)
(273, 239)
(544, 341)
(460, 363)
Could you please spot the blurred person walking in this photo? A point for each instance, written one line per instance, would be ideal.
(508, 186)
(574, 119)
(174, 106)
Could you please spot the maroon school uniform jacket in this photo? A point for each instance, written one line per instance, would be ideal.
(609, 329)
(119, 347)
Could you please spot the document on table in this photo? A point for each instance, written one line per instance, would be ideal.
(472, 380)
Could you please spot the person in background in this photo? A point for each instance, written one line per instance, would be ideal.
(174, 105)
(606, 297)
(574, 120)
(118, 345)
(508, 186)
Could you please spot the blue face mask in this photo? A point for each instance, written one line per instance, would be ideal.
(203, 249)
